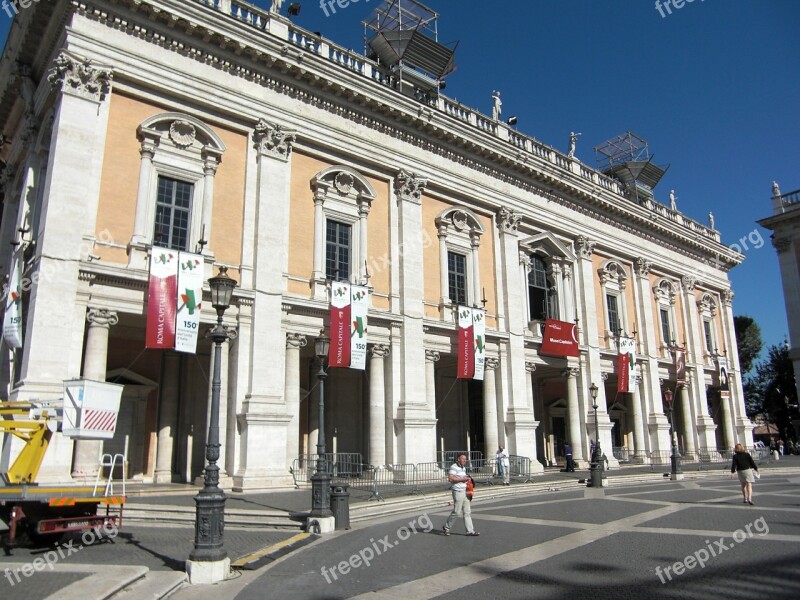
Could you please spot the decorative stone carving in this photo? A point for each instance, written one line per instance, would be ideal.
(688, 282)
(727, 297)
(491, 363)
(273, 139)
(432, 355)
(77, 76)
(296, 340)
(781, 244)
(643, 267)
(570, 372)
(665, 291)
(707, 304)
(343, 182)
(379, 350)
(530, 367)
(584, 246)
(182, 133)
(101, 317)
(508, 220)
(409, 187)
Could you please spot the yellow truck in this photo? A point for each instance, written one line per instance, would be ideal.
(46, 512)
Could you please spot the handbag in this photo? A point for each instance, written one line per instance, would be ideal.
(470, 489)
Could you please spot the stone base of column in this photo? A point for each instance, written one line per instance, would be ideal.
(744, 431)
(521, 435)
(658, 426)
(225, 481)
(706, 436)
(205, 572)
(162, 477)
(257, 480)
(416, 435)
(263, 446)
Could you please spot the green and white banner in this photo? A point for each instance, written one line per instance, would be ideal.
(12, 319)
(479, 332)
(190, 297)
(359, 304)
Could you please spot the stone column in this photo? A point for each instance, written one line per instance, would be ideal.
(431, 357)
(318, 274)
(475, 242)
(363, 212)
(688, 430)
(415, 423)
(86, 455)
(639, 447)
(695, 362)
(575, 437)
(491, 428)
(167, 416)
(377, 405)
(211, 161)
(142, 224)
(742, 425)
(294, 341)
(520, 423)
(536, 465)
(265, 420)
(444, 284)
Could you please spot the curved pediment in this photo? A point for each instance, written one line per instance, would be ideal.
(345, 181)
(460, 219)
(184, 130)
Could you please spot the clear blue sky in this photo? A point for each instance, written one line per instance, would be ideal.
(713, 87)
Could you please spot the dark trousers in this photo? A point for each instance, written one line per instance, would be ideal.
(570, 464)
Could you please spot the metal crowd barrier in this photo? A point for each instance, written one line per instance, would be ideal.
(341, 466)
(621, 453)
(448, 457)
(520, 467)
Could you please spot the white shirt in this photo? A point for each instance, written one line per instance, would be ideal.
(502, 455)
(457, 470)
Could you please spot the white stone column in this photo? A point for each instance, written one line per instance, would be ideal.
(520, 423)
(363, 213)
(639, 446)
(210, 163)
(415, 423)
(743, 427)
(377, 405)
(475, 242)
(142, 225)
(318, 273)
(265, 420)
(536, 465)
(688, 429)
(578, 441)
(695, 364)
(167, 416)
(444, 284)
(294, 342)
(727, 422)
(431, 357)
(491, 427)
(86, 454)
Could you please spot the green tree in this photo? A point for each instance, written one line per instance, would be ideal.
(748, 340)
(771, 390)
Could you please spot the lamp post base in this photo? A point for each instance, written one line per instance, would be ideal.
(320, 524)
(202, 572)
(676, 473)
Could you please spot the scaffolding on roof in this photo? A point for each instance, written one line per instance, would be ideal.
(627, 157)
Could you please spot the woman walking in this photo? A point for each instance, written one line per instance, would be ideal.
(743, 463)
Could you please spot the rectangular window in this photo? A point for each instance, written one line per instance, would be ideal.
(709, 338)
(613, 313)
(666, 332)
(337, 252)
(457, 277)
(173, 214)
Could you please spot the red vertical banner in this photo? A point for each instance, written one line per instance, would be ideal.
(466, 341)
(680, 367)
(622, 373)
(626, 377)
(339, 353)
(162, 299)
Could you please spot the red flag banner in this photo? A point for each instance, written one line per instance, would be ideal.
(626, 377)
(162, 298)
(560, 338)
(339, 353)
(466, 341)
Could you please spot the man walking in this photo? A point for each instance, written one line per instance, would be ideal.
(457, 475)
(568, 454)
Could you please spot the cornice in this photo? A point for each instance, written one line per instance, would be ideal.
(233, 48)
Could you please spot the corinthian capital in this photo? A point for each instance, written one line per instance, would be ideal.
(273, 139)
(409, 187)
(77, 76)
(584, 246)
(508, 220)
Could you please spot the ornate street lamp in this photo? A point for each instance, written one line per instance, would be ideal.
(675, 456)
(597, 455)
(321, 479)
(210, 518)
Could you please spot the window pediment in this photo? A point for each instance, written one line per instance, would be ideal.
(547, 245)
(344, 182)
(460, 220)
(183, 131)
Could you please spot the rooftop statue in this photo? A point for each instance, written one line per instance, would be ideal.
(672, 199)
(776, 191)
(573, 139)
(496, 105)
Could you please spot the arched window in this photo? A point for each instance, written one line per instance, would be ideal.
(542, 293)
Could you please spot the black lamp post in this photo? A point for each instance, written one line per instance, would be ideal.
(209, 524)
(597, 455)
(675, 456)
(321, 479)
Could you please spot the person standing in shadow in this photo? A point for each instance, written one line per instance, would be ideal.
(568, 454)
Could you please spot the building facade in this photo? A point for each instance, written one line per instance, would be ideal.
(785, 225)
(217, 127)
